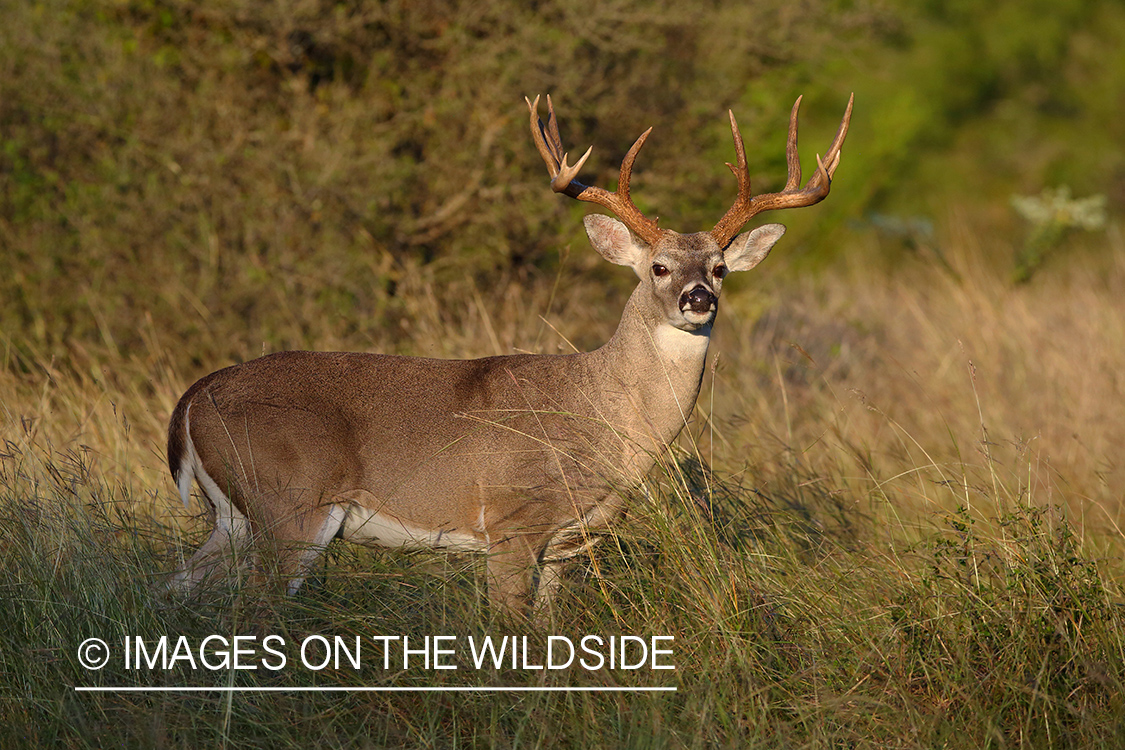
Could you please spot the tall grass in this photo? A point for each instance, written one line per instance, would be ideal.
(894, 521)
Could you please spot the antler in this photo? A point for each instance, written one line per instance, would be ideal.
(747, 206)
(563, 176)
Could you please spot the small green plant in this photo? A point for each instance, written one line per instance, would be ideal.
(1053, 214)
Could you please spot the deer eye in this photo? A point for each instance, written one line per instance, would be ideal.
(659, 270)
(719, 271)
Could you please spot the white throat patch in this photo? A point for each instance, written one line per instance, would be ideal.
(681, 346)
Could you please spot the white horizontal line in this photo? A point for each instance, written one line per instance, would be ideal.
(366, 689)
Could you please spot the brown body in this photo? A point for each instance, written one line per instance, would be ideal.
(505, 451)
(520, 457)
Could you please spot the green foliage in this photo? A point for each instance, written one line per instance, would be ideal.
(1052, 215)
(960, 105)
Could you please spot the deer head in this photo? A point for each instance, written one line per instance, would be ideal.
(682, 274)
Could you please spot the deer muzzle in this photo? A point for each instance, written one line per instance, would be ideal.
(698, 300)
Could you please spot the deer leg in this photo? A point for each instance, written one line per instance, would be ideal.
(511, 566)
(222, 549)
(308, 556)
(295, 543)
(550, 578)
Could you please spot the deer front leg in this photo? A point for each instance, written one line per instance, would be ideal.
(550, 579)
(511, 568)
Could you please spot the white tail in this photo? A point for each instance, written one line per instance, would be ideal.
(521, 457)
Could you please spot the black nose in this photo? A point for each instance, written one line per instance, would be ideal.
(700, 300)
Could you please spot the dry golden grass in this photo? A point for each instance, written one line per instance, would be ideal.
(898, 380)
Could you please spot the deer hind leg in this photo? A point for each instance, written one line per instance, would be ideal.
(290, 545)
(306, 556)
(224, 551)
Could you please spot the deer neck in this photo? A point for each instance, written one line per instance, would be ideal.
(654, 372)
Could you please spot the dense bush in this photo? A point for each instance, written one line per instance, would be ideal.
(268, 176)
(247, 168)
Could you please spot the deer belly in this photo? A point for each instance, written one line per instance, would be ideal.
(365, 526)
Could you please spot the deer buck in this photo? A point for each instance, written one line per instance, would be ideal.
(521, 457)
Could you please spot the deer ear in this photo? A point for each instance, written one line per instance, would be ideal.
(751, 248)
(614, 241)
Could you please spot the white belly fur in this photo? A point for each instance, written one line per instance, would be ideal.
(365, 526)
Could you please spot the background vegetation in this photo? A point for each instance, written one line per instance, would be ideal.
(896, 517)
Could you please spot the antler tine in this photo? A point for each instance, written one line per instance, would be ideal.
(546, 138)
(833, 154)
(732, 221)
(627, 166)
(746, 206)
(741, 172)
(793, 161)
(552, 121)
(564, 177)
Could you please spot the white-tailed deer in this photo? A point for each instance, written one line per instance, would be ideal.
(521, 457)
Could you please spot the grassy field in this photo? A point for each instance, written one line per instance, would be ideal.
(894, 520)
